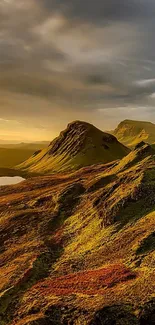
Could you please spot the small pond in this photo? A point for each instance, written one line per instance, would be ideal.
(6, 180)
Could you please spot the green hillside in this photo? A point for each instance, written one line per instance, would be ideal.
(80, 144)
(131, 132)
(79, 248)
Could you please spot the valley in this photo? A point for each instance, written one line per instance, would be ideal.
(77, 247)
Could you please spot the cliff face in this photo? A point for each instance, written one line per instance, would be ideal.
(78, 248)
(79, 145)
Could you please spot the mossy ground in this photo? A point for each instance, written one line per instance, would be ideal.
(78, 248)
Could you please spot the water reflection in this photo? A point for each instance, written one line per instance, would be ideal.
(10, 180)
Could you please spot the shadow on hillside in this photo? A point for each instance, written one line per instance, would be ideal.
(40, 269)
(114, 209)
(113, 315)
(124, 315)
(110, 315)
(66, 204)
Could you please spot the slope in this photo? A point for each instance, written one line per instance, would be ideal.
(79, 145)
(78, 248)
(131, 132)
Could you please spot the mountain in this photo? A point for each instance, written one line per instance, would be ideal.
(78, 248)
(80, 144)
(131, 132)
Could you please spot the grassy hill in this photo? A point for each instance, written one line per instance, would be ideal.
(80, 144)
(78, 248)
(131, 132)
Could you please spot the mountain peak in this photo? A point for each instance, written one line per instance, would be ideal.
(79, 145)
(131, 132)
(77, 137)
(71, 139)
(136, 122)
(79, 123)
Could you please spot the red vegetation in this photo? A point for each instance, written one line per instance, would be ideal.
(87, 282)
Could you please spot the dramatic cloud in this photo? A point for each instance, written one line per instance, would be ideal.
(61, 60)
(101, 11)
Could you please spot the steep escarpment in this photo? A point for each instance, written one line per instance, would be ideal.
(78, 248)
(132, 132)
(79, 145)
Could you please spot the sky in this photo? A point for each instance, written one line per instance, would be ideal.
(73, 59)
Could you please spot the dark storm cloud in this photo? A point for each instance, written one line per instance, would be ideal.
(100, 11)
(78, 54)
